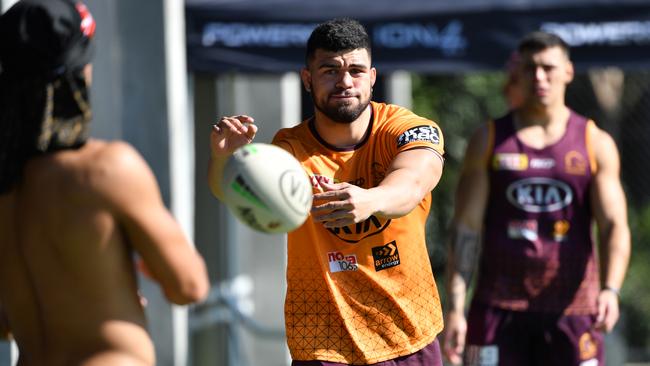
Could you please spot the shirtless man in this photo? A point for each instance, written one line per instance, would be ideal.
(74, 210)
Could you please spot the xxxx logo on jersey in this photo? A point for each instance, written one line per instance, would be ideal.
(317, 179)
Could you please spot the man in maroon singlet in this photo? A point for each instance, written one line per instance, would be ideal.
(533, 184)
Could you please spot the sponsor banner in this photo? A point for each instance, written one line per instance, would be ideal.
(523, 229)
(386, 256)
(424, 133)
(542, 163)
(317, 179)
(266, 36)
(539, 194)
(340, 262)
(510, 161)
(355, 233)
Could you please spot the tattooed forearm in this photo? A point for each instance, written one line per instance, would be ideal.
(465, 248)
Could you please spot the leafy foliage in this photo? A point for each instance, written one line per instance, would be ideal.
(635, 296)
(459, 104)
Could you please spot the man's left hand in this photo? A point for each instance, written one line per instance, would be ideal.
(608, 310)
(342, 204)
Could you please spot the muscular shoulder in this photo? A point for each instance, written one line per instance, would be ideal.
(118, 155)
(111, 160)
(117, 171)
(284, 136)
(602, 146)
(599, 136)
(395, 117)
(294, 139)
(405, 130)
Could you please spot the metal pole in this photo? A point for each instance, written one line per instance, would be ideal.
(181, 149)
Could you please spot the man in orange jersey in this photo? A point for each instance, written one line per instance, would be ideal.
(72, 209)
(532, 185)
(360, 287)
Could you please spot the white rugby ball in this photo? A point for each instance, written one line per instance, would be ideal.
(266, 188)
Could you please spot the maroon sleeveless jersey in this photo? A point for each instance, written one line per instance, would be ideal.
(538, 252)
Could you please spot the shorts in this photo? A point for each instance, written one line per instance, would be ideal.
(427, 356)
(498, 337)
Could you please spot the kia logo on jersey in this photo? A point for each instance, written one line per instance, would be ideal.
(356, 232)
(539, 194)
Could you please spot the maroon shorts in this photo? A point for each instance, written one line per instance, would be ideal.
(497, 337)
(427, 356)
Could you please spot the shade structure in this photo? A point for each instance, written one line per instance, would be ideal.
(441, 36)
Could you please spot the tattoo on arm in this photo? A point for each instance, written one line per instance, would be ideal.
(466, 247)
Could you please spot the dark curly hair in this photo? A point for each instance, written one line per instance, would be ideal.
(340, 34)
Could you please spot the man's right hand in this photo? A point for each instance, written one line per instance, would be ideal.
(454, 337)
(231, 133)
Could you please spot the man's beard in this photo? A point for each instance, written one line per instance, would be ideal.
(343, 112)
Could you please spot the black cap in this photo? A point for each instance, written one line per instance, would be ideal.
(48, 37)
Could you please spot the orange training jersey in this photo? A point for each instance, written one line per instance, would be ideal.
(364, 293)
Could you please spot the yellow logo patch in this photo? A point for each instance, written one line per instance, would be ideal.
(509, 161)
(560, 229)
(588, 347)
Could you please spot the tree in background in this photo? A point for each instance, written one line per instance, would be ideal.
(459, 103)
